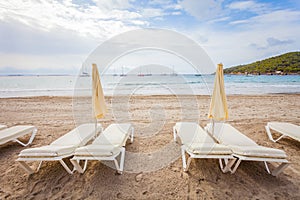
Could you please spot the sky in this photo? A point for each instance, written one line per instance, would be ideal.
(57, 36)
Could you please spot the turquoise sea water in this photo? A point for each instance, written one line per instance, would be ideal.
(22, 86)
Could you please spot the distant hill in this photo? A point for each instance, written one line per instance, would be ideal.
(288, 63)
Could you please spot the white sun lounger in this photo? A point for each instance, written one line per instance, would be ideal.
(2, 126)
(246, 149)
(15, 132)
(198, 144)
(61, 148)
(285, 129)
(107, 146)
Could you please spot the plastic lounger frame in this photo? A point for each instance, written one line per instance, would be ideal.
(120, 167)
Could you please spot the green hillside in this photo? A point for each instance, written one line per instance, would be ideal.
(288, 63)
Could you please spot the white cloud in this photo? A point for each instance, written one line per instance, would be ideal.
(86, 21)
(152, 12)
(160, 2)
(250, 39)
(277, 17)
(60, 34)
(113, 4)
(237, 22)
(173, 6)
(272, 42)
(267, 20)
(249, 6)
(41, 63)
(166, 4)
(176, 13)
(204, 9)
(139, 22)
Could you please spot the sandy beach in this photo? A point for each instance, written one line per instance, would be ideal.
(53, 116)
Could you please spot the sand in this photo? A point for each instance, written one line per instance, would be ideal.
(153, 118)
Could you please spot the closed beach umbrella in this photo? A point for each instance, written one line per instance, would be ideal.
(99, 107)
(218, 110)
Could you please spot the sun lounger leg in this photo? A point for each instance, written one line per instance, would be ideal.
(85, 165)
(280, 168)
(77, 165)
(122, 160)
(174, 134)
(132, 134)
(65, 166)
(228, 164)
(267, 167)
(117, 166)
(32, 136)
(30, 139)
(237, 164)
(188, 163)
(270, 134)
(183, 159)
(40, 164)
(223, 169)
(26, 167)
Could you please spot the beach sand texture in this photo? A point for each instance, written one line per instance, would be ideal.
(53, 117)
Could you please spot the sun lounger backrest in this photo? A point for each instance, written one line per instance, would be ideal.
(14, 132)
(114, 134)
(190, 132)
(2, 127)
(289, 129)
(78, 136)
(228, 135)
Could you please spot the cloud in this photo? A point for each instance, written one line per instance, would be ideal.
(249, 6)
(277, 17)
(160, 2)
(176, 13)
(100, 21)
(275, 42)
(204, 9)
(236, 40)
(272, 42)
(12, 63)
(157, 10)
(113, 4)
(152, 12)
(269, 21)
(59, 34)
(165, 4)
(19, 38)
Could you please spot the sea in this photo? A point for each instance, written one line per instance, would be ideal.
(176, 84)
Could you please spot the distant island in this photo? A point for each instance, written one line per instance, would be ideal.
(288, 63)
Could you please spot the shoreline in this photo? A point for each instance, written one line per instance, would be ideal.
(150, 95)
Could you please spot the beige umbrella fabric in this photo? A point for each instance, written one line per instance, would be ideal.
(99, 105)
(218, 110)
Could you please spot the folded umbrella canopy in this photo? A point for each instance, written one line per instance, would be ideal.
(218, 110)
(99, 106)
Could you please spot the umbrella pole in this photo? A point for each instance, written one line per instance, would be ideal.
(95, 127)
(213, 127)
